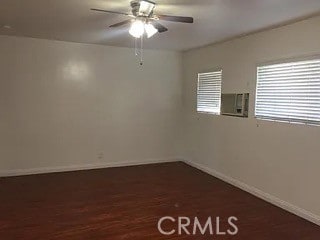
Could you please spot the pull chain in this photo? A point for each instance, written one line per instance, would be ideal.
(136, 47)
(141, 51)
(138, 50)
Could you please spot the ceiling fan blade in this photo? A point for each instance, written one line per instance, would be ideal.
(175, 18)
(107, 11)
(121, 23)
(159, 27)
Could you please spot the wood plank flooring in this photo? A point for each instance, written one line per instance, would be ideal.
(126, 203)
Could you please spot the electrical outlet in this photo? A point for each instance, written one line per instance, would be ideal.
(100, 155)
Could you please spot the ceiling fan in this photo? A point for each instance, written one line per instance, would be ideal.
(144, 20)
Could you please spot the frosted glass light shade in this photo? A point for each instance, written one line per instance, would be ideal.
(137, 29)
(150, 30)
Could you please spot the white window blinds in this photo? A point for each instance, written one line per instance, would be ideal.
(209, 92)
(289, 92)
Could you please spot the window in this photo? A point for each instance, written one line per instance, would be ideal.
(289, 92)
(209, 92)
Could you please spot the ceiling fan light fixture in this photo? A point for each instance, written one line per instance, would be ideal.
(144, 22)
(137, 29)
(150, 30)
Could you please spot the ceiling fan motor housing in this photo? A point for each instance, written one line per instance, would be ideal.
(135, 5)
(142, 8)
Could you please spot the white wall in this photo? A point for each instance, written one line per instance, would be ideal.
(67, 104)
(278, 158)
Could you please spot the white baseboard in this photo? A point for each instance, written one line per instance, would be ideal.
(32, 171)
(258, 193)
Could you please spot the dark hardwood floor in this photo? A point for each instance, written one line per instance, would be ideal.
(126, 203)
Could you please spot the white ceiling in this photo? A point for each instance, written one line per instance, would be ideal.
(215, 20)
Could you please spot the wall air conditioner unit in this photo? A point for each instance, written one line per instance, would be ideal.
(235, 104)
